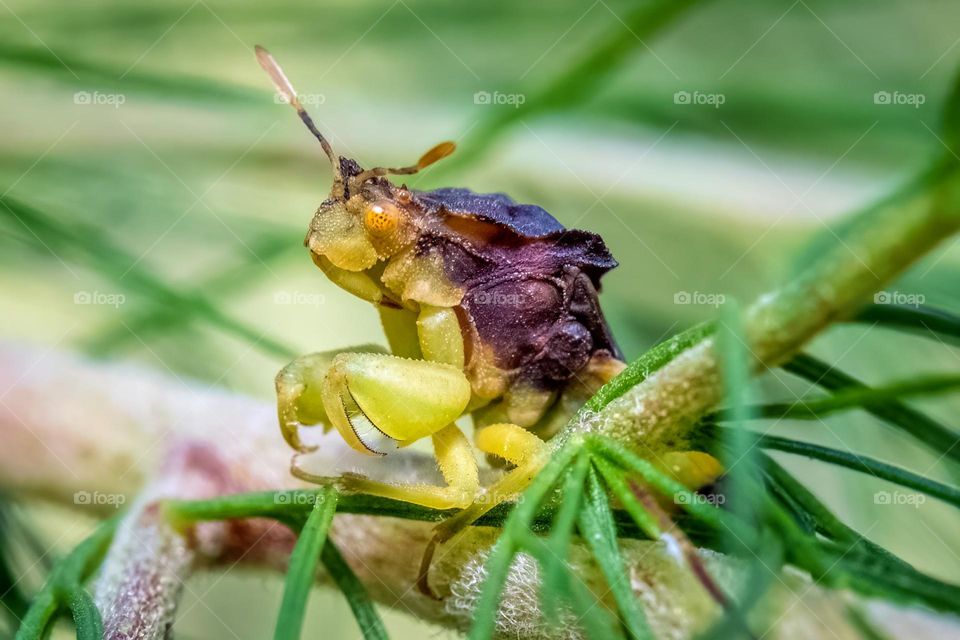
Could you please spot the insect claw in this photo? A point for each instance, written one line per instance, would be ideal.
(298, 472)
(423, 577)
(291, 434)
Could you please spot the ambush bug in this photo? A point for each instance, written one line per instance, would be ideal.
(490, 309)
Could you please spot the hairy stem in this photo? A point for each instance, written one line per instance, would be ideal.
(112, 428)
(882, 242)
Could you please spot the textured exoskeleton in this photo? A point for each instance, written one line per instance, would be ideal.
(489, 307)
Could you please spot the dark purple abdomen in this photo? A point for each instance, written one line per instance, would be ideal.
(545, 328)
(530, 284)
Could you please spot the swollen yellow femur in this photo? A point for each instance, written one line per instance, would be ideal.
(381, 218)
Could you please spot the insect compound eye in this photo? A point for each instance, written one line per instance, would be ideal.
(381, 218)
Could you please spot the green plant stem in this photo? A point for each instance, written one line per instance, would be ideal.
(561, 533)
(825, 522)
(302, 571)
(873, 576)
(371, 625)
(291, 506)
(927, 322)
(852, 397)
(644, 366)
(878, 245)
(938, 437)
(39, 616)
(597, 527)
(64, 589)
(664, 484)
(738, 453)
(863, 464)
(86, 617)
(182, 513)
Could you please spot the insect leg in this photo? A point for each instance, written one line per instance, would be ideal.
(374, 399)
(510, 442)
(514, 444)
(457, 464)
(400, 328)
(355, 282)
(440, 337)
(299, 386)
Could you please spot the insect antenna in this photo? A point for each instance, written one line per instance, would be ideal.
(436, 153)
(285, 89)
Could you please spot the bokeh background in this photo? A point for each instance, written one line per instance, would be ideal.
(155, 193)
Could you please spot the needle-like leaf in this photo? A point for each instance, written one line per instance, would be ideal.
(561, 532)
(928, 431)
(364, 611)
(927, 322)
(853, 397)
(597, 527)
(302, 571)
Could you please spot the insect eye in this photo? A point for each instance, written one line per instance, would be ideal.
(381, 218)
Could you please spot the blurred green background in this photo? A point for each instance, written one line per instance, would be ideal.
(168, 192)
